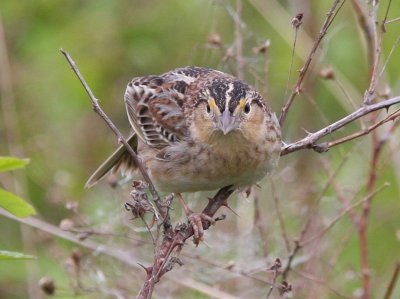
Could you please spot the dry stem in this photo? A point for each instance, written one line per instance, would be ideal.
(297, 88)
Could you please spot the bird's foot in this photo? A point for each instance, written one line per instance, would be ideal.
(196, 221)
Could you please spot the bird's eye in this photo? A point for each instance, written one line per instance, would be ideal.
(247, 108)
(208, 109)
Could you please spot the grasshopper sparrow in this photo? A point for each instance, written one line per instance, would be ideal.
(197, 129)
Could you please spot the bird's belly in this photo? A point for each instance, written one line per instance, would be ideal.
(209, 169)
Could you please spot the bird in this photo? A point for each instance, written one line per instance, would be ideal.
(197, 129)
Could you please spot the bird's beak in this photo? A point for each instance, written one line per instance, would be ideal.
(227, 122)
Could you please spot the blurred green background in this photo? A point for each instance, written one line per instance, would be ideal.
(51, 122)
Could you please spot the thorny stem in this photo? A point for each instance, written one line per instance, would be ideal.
(176, 238)
(297, 88)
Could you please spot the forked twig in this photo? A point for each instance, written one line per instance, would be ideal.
(309, 142)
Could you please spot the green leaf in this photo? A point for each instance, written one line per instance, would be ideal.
(11, 255)
(10, 163)
(15, 205)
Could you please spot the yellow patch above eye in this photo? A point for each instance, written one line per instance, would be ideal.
(242, 103)
(213, 105)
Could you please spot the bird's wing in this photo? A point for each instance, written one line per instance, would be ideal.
(155, 105)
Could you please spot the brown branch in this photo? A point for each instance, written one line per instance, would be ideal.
(369, 95)
(393, 281)
(309, 142)
(297, 88)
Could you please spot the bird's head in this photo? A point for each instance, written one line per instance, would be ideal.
(228, 107)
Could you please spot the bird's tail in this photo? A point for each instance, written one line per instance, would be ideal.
(119, 160)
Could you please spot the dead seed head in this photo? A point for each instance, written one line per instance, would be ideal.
(277, 265)
(66, 224)
(262, 49)
(214, 39)
(297, 21)
(327, 74)
(47, 285)
(285, 287)
(139, 205)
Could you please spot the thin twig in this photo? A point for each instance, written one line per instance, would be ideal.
(383, 28)
(239, 40)
(393, 281)
(297, 88)
(393, 20)
(394, 47)
(279, 214)
(321, 282)
(296, 31)
(365, 27)
(340, 216)
(299, 240)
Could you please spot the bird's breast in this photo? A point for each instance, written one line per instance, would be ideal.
(190, 167)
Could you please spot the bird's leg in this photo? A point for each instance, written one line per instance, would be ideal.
(195, 220)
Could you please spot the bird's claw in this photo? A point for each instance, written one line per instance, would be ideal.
(196, 221)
